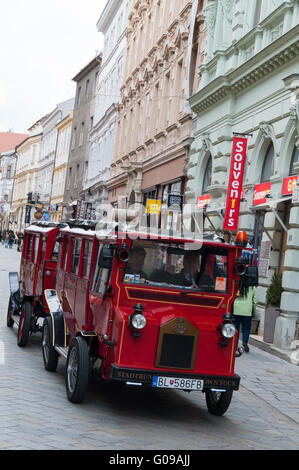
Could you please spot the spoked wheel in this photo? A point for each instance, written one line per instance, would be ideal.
(9, 320)
(25, 323)
(218, 402)
(50, 355)
(77, 369)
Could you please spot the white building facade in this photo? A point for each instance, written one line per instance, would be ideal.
(250, 84)
(49, 143)
(112, 24)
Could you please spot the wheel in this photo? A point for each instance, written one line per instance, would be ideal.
(218, 402)
(50, 355)
(25, 323)
(77, 370)
(9, 320)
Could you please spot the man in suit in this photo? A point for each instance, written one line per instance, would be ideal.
(189, 274)
(136, 261)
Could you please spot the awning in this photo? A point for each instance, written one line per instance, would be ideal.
(271, 205)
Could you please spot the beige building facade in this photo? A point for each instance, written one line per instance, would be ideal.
(64, 130)
(165, 46)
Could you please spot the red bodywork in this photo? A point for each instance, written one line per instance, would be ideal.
(103, 313)
(38, 263)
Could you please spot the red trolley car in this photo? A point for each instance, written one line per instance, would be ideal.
(144, 310)
(37, 273)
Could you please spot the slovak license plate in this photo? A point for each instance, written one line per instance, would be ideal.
(177, 383)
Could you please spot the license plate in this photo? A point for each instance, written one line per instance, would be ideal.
(177, 383)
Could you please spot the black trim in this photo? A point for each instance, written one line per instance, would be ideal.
(146, 377)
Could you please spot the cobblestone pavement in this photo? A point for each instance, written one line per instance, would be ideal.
(35, 413)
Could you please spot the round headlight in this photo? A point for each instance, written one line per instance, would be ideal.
(228, 330)
(138, 321)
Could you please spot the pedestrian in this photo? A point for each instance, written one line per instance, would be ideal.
(0, 235)
(245, 304)
(11, 238)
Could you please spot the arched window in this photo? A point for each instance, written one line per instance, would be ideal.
(294, 159)
(268, 165)
(207, 179)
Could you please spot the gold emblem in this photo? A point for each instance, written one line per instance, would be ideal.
(180, 326)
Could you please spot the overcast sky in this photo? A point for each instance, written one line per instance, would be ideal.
(43, 45)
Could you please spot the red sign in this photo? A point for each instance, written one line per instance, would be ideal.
(260, 192)
(288, 184)
(234, 189)
(203, 201)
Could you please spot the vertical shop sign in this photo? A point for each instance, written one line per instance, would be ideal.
(234, 189)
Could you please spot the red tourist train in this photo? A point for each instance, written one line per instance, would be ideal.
(140, 309)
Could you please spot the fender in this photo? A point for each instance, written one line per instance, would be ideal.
(56, 312)
(14, 286)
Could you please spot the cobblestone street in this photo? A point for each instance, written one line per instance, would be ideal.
(35, 413)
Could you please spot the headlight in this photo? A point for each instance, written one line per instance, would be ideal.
(228, 330)
(138, 321)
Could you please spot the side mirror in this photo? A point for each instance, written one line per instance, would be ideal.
(106, 257)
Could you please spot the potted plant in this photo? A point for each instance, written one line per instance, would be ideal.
(273, 296)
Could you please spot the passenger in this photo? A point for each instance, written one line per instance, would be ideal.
(190, 272)
(136, 261)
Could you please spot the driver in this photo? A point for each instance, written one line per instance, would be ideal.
(136, 261)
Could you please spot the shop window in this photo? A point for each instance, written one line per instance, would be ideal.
(207, 179)
(294, 159)
(268, 165)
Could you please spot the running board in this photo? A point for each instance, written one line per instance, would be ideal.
(61, 351)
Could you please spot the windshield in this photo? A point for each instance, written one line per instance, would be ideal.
(170, 265)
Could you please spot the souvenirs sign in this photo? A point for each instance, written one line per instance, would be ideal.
(203, 201)
(234, 189)
(260, 193)
(288, 184)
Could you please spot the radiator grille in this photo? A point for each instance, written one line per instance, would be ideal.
(176, 351)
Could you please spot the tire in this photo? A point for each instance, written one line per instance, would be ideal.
(25, 323)
(50, 355)
(9, 320)
(218, 402)
(77, 370)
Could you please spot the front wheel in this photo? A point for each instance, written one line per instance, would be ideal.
(50, 355)
(77, 370)
(218, 402)
(25, 323)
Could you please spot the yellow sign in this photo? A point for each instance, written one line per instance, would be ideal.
(153, 206)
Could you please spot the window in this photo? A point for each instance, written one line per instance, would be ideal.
(76, 176)
(30, 247)
(36, 243)
(74, 138)
(76, 256)
(207, 179)
(78, 97)
(268, 165)
(8, 173)
(87, 89)
(81, 134)
(87, 258)
(65, 254)
(69, 178)
(170, 265)
(54, 256)
(100, 278)
(294, 159)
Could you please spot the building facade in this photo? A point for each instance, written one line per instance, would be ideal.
(165, 44)
(8, 162)
(64, 129)
(113, 25)
(249, 84)
(82, 124)
(48, 150)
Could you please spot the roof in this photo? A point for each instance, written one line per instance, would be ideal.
(95, 62)
(9, 140)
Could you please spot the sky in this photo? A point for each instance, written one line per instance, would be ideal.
(43, 45)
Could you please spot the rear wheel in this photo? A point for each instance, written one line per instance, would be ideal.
(9, 320)
(50, 355)
(218, 402)
(77, 370)
(25, 323)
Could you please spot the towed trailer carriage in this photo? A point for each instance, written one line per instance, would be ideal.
(124, 307)
(37, 273)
